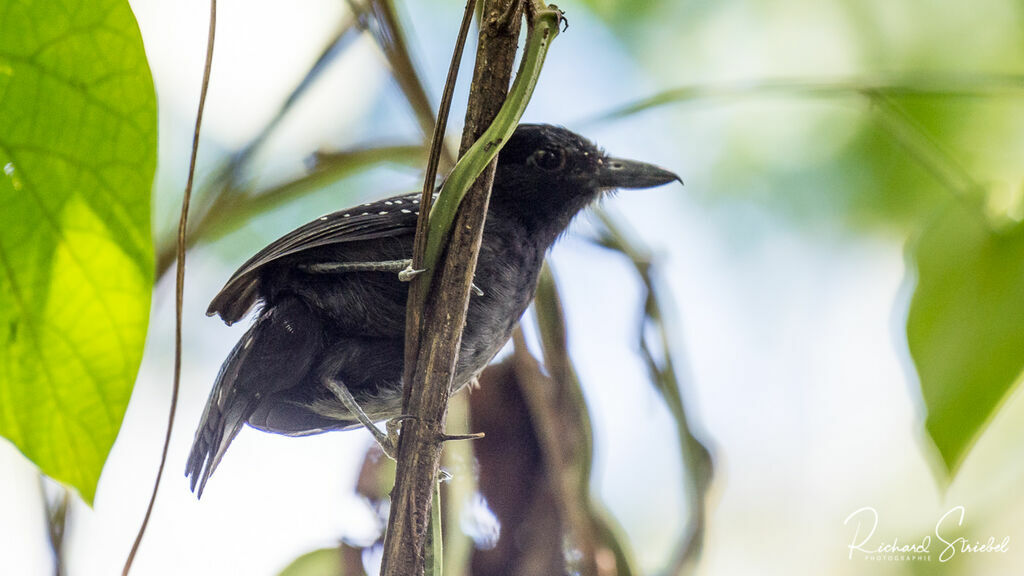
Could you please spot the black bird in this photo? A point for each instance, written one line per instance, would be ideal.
(332, 320)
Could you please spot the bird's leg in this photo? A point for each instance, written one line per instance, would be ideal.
(402, 267)
(388, 442)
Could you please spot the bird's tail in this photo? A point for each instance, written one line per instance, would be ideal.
(226, 412)
(274, 355)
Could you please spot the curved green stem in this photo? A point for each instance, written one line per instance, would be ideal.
(544, 26)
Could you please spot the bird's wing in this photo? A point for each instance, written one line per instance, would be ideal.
(381, 219)
(386, 218)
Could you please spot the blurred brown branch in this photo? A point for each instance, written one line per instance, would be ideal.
(226, 201)
(233, 207)
(515, 480)
(563, 425)
(380, 19)
(342, 39)
(699, 464)
(535, 461)
(228, 180)
(56, 510)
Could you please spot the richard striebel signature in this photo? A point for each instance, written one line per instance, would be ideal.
(866, 520)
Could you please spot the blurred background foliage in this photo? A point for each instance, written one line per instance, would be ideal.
(852, 181)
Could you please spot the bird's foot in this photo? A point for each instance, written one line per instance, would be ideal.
(408, 272)
(393, 427)
(476, 290)
(399, 266)
(388, 441)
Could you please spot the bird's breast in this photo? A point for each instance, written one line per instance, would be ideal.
(507, 270)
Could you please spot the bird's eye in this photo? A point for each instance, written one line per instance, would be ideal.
(550, 160)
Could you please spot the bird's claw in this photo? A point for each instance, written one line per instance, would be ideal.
(388, 444)
(409, 273)
(389, 441)
(476, 290)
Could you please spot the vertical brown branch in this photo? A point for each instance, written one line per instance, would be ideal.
(698, 458)
(444, 312)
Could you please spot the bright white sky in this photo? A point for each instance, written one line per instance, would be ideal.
(799, 375)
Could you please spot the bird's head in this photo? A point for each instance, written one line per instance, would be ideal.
(546, 174)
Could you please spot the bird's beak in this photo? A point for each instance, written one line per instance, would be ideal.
(619, 173)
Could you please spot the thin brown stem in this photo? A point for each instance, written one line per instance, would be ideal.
(226, 189)
(414, 313)
(179, 288)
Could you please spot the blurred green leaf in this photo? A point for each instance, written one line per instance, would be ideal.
(78, 153)
(620, 13)
(872, 153)
(323, 562)
(559, 413)
(964, 328)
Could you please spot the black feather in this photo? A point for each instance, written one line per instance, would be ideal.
(350, 326)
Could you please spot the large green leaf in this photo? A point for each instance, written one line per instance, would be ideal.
(965, 328)
(78, 153)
